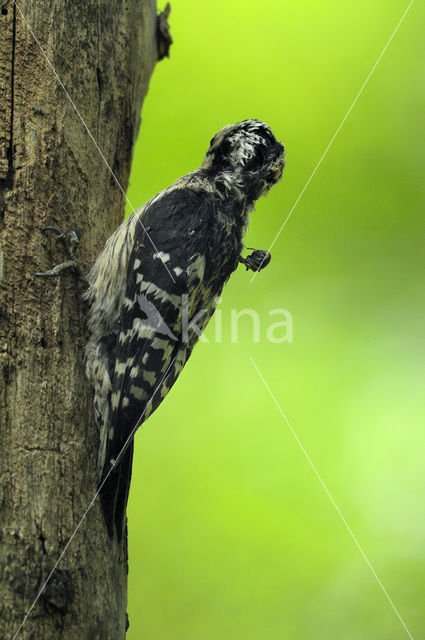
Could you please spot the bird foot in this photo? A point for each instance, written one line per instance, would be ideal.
(257, 260)
(70, 243)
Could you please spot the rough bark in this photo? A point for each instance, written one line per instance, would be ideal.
(104, 52)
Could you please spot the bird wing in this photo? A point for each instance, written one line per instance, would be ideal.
(150, 350)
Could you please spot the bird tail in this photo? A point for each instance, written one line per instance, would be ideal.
(113, 494)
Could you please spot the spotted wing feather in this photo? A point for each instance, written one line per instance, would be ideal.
(145, 362)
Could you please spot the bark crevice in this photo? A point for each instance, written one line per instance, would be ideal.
(9, 151)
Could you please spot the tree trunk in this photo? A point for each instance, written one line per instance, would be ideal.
(51, 173)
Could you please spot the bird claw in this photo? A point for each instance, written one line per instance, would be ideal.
(257, 260)
(69, 239)
(56, 271)
(70, 242)
(54, 229)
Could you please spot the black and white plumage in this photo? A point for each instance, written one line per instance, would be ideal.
(173, 255)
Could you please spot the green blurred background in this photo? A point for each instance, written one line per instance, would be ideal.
(231, 534)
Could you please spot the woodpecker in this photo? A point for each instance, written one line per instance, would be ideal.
(156, 284)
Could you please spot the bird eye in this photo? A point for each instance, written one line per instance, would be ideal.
(258, 158)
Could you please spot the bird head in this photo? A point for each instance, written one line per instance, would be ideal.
(246, 158)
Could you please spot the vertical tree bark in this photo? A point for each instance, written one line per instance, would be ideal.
(51, 173)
